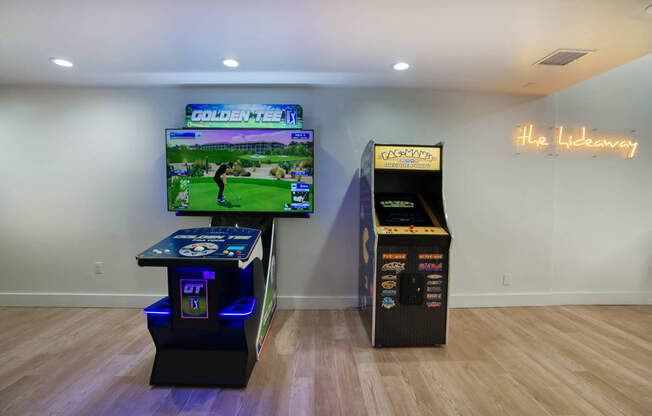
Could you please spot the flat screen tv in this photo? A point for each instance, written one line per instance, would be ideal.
(240, 170)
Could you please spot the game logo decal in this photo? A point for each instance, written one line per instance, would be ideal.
(388, 303)
(407, 157)
(432, 256)
(193, 299)
(397, 204)
(430, 266)
(433, 304)
(389, 284)
(434, 276)
(394, 256)
(436, 296)
(388, 277)
(394, 266)
(261, 116)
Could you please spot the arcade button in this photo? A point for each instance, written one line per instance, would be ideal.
(226, 252)
(230, 253)
(238, 252)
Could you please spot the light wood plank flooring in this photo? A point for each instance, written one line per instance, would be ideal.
(573, 360)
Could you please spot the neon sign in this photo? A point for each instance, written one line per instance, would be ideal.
(525, 137)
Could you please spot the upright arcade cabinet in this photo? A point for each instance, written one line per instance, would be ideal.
(211, 328)
(405, 244)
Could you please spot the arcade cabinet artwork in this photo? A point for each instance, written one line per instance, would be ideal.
(211, 328)
(404, 245)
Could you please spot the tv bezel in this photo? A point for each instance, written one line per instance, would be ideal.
(288, 214)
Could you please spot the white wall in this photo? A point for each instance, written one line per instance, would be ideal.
(602, 239)
(82, 176)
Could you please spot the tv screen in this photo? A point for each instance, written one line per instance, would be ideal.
(222, 170)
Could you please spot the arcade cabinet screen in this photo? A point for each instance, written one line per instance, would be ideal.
(240, 170)
(400, 209)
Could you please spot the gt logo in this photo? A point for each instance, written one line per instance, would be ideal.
(192, 288)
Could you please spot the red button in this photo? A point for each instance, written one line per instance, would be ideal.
(238, 252)
(411, 227)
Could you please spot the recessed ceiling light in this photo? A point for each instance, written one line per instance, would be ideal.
(61, 62)
(231, 63)
(401, 66)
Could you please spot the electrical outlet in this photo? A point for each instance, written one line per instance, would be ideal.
(98, 267)
(507, 279)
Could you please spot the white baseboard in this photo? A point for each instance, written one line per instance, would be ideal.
(461, 300)
(480, 300)
(317, 302)
(78, 300)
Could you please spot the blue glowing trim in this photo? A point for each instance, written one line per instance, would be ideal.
(156, 312)
(229, 313)
(161, 307)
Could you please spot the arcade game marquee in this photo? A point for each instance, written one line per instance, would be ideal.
(404, 245)
(211, 328)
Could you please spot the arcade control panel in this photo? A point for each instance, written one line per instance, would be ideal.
(405, 214)
(191, 246)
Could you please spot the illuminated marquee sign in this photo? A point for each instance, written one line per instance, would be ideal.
(407, 157)
(263, 116)
(564, 140)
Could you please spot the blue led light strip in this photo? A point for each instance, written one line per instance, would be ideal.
(248, 306)
(156, 312)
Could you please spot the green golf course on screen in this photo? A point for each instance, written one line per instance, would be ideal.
(240, 170)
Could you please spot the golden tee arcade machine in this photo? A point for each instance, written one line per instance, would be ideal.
(243, 166)
(405, 245)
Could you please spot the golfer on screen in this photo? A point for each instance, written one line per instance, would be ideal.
(220, 180)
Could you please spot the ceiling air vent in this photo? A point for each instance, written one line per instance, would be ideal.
(562, 57)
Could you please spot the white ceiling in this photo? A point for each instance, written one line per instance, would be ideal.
(475, 45)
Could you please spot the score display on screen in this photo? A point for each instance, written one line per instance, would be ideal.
(240, 170)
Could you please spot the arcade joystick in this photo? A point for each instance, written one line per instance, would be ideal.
(198, 248)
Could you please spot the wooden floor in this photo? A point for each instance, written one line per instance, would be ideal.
(578, 360)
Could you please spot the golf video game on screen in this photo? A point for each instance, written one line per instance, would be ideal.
(240, 170)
